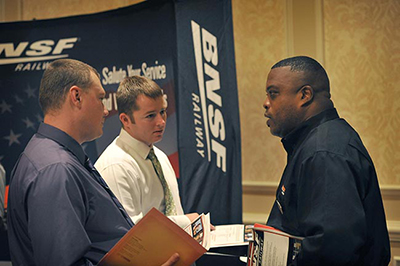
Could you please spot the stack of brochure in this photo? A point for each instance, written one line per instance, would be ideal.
(271, 246)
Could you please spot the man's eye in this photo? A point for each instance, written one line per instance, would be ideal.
(150, 116)
(272, 94)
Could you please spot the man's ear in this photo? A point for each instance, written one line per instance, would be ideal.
(306, 94)
(75, 95)
(125, 119)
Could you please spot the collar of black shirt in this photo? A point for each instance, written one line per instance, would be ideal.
(63, 139)
(297, 136)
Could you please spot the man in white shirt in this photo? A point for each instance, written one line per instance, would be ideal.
(125, 163)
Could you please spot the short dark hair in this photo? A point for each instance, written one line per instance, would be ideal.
(315, 74)
(130, 88)
(59, 77)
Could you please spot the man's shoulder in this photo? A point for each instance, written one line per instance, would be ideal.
(113, 155)
(43, 159)
(42, 152)
(336, 128)
(335, 136)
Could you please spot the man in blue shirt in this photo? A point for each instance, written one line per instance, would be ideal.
(329, 192)
(60, 210)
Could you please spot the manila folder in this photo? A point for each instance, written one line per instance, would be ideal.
(152, 241)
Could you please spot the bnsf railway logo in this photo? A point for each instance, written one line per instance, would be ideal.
(11, 53)
(208, 105)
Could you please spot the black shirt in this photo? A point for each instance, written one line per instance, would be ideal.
(58, 213)
(329, 194)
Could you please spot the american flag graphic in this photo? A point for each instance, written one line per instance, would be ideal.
(20, 116)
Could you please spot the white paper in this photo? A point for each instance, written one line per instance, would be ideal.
(228, 235)
(275, 250)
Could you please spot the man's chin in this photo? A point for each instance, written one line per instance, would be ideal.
(275, 132)
(89, 139)
(157, 138)
(98, 135)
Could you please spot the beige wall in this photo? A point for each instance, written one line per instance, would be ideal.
(260, 41)
(358, 42)
(362, 40)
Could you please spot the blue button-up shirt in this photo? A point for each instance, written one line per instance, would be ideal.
(58, 214)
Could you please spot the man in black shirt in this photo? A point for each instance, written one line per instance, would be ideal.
(329, 192)
(60, 211)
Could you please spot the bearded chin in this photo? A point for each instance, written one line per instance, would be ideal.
(275, 131)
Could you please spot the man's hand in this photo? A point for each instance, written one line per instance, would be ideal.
(192, 216)
(174, 258)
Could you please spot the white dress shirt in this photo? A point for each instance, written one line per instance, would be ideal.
(132, 178)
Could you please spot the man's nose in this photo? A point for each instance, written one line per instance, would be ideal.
(105, 111)
(161, 119)
(266, 103)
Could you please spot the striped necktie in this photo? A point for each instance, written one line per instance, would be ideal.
(169, 201)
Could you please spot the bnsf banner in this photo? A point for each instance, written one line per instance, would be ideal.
(27, 48)
(184, 46)
(209, 136)
(207, 112)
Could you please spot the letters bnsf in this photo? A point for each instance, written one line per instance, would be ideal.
(206, 55)
(37, 48)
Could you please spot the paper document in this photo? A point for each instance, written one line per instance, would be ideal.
(231, 235)
(272, 247)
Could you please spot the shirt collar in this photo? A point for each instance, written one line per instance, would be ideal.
(297, 135)
(134, 145)
(63, 139)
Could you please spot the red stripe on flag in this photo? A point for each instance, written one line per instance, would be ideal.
(174, 159)
(6, 198)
